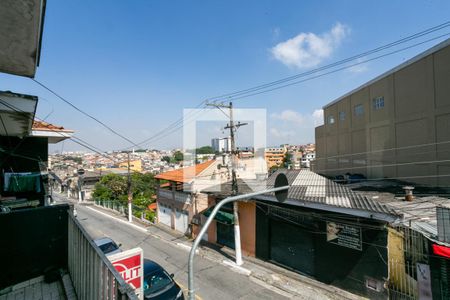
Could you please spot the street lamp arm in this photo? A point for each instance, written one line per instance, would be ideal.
(191, 293)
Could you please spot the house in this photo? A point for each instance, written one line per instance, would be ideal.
(370, 244)
(394, 126)
(178, 195)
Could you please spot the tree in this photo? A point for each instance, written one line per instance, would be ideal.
(166, 159)
(178, 156)
(110, 187)
(287, 160)
(114, 187)
(205, 150)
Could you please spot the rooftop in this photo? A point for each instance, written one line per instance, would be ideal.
(309, 189)
(186, 174)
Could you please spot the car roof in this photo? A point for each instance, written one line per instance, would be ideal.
(103, 240)
(151, 266)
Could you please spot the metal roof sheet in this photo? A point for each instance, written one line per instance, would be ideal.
(307, 186)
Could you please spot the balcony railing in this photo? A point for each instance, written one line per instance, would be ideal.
(93, 276)
(174, 195)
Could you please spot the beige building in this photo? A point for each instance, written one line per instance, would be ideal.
(274, 156)
(395, 126)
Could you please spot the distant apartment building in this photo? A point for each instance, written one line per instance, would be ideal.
(221, 144)
(274, 156)
(394, 126)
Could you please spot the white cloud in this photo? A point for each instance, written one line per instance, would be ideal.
(281, 134)
(317, 116)
(308, 49)
(289, 116)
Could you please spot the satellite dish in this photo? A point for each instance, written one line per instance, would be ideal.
(280, 181)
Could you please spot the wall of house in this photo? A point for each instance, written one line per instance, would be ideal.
(313, 255)
(408, 138)
(29, 154)
(247, 222)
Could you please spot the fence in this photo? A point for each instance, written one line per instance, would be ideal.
(410, 249)
(138, 212)
(93, 276)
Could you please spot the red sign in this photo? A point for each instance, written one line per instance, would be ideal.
(130, 265)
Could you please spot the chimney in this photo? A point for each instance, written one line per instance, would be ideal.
(408, 193)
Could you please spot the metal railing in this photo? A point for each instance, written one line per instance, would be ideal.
(93, 276)
(138, 211)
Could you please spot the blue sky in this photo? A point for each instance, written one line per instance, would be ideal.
(137, 64)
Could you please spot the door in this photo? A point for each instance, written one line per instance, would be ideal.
(181, 220)
(292, 247)
(164, 214)
(225, 234)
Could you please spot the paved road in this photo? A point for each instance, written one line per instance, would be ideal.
(213, 280)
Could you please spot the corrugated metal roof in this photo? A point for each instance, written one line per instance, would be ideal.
(311, 187)
(420, 214)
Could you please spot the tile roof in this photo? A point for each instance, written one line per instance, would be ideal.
(309, 187)
(185, 175)
(44, 126)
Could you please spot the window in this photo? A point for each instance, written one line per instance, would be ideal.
(359, 110)
(330, 119)
(378, 103)
(342, 115)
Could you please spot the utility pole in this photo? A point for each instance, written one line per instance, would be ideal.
(130, 195)
(234, 185)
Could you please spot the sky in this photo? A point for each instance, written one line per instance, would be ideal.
(136, 65)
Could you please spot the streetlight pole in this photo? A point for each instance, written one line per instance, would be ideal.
(280, 190)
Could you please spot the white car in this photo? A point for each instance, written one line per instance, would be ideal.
(108, 246)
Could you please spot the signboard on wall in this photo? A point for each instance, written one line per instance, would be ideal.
(344, 235)
(130, 265)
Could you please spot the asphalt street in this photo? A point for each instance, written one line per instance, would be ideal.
(212, 279)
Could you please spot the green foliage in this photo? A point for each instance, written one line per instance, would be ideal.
(205, 150)
(114, 187)
(166, 159)
(287, 160)
(178, 156)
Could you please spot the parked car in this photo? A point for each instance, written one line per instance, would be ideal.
(107, 245)
(158, 284)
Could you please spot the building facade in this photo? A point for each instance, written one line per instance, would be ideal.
(221, 144)
(395, 126)
(274, 156)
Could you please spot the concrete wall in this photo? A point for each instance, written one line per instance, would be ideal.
(408, 138)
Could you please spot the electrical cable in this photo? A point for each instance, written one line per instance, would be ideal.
(83, 112)
(245, 95)
(366, 53)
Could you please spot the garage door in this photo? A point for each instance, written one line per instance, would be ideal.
(164, 214)
(292, 247)
(181, 221)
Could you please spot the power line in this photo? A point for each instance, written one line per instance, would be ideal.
(73, 138)
(84, 113)
(175, 126)
(337, 70)
(303, 74)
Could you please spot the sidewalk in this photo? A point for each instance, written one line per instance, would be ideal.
(280, 280)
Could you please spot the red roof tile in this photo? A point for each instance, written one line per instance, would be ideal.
(44, 126)
(180, 176)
